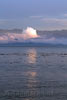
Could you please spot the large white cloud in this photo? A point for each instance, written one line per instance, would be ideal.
(26, 34)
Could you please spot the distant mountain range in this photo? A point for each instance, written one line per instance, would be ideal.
(30, 44)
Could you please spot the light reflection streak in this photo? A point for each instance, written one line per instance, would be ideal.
(31, 74)
(31, 78)
(32, 54)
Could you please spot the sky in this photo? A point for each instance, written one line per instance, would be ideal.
(39, 14)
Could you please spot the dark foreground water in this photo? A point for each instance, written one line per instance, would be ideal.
(33, 73)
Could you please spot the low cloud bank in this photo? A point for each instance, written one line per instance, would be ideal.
(31, 35)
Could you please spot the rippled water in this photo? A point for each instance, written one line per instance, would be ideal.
(33, 73)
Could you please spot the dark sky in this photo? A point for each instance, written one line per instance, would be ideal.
(40, 14)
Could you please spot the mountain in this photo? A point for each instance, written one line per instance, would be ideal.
(30, 44)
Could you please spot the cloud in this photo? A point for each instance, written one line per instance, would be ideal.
(26, 34)
(44, 39)
(62, 21)
(54, 23)
(36, 17)
(50, 20)
(30, 35)
(65, 15)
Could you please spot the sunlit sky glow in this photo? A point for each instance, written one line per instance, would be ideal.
(39, 14)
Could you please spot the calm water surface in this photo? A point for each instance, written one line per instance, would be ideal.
(33, 73)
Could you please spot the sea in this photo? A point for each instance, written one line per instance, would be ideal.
(33, 73)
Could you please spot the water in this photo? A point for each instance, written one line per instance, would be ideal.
(33, 73)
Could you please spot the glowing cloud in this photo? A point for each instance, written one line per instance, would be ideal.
(26, 34)
(30, 33)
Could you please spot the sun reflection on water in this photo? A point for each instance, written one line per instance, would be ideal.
(32, 54)
(31, 74)
(31, 78)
